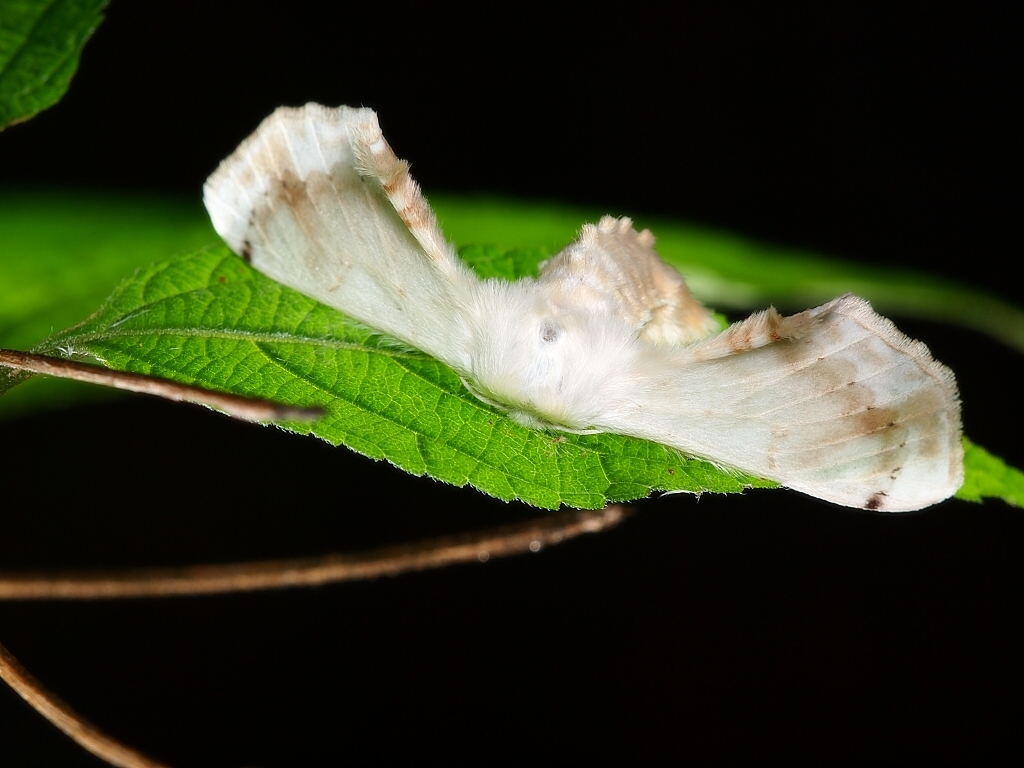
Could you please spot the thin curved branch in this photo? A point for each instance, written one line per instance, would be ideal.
(64, 717)
(529, 536)
(247, 408)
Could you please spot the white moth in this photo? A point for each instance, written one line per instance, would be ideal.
(834, 402)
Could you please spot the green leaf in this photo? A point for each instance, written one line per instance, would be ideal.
(209, 319)
(988, 476)
(60, 255)
(40, 44)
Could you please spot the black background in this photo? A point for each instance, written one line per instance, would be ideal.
(767, 626)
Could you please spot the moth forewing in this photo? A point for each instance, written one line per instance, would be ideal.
(292, 201)
(850, 410)
(834, 401)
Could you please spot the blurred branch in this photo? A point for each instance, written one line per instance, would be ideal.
(64, 717)
(478, 546)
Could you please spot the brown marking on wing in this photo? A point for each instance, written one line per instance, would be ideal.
(243, 173)
(408, 206)
(932, 445)
(299, 195)
(876, 502)
(740, 338)
(762, 329)
(873, 419)
(291, 190)
(414, 215)
(919, 413)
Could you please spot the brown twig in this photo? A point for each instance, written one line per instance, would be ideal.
(247, 408)
(64, 717)
(478, 546)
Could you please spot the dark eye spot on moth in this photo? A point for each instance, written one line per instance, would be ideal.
(550, 332)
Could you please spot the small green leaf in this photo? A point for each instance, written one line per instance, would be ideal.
(988, 476)
(40, 44)
(209, 319)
